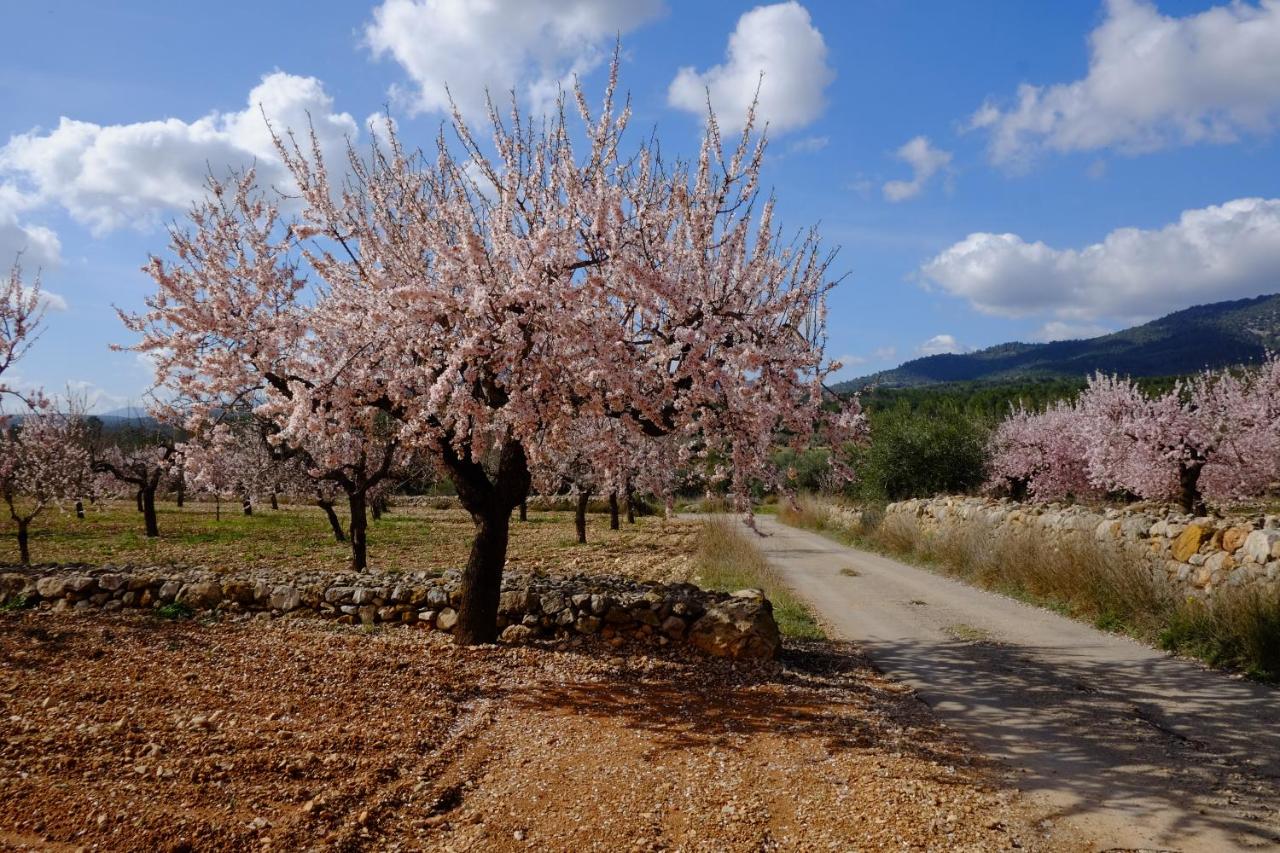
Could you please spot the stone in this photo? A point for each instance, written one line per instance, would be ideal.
(285, 598)
(1262, 545)
(673, 627)
(553, 602)
(241, 592)
(447, 619)
(587, 624)
(339, 594)
(427, 616)
(438, 597)
(516, 602)
(1233, 538)
(169, 590)
(740, 627)
(1189, 541)
(111, 582)
(51, 587)
(204, 595)
(81, 584)
(1220, 561)
(368, 614)
(516, 634)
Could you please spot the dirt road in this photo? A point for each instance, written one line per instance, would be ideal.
(1114, 741)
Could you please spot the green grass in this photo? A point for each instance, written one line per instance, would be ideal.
(1101, 583)
(728, 560)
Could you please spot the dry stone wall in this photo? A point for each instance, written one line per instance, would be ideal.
(737, 625)
(1198, 554)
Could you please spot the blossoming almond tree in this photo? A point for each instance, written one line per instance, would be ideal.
(1041, 454)
(43, 461)
(21, 310)
(143, 463)
(490, 303)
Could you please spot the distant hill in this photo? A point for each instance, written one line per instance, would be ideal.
(1205, 336)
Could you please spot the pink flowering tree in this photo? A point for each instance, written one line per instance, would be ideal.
(1041, 455)
(21, 310)
(141, 460)
(488, 303)
(44, 461)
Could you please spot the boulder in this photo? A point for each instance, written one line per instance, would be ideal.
(1262, 545)
(204, 595)
(1189, 541)
(516, 634)
(285, 598)
(446, 619)
(739, 627)
(1233, 537)
(51, 587)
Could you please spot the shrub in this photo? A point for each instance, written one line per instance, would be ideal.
(917, 454)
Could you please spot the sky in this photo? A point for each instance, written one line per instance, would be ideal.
(989, 171)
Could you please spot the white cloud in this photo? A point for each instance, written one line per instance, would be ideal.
(531, 47)
(941, 345)
(779, 42)
(809, 145)
(110, 176)
(925, 162)
(37, 247)
(1057, 330)
(1153, 81)
(1227, 251)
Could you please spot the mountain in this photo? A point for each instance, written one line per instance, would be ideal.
(1204, 336)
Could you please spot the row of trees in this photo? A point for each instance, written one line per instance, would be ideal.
(1214, 436)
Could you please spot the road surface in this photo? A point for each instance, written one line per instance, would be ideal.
(1115, 742)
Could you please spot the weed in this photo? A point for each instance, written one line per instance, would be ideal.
(173, 611)
(728, 560)
(18, 602)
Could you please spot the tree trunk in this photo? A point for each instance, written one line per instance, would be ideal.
(524, 510)
(358, 528)
(481, 585)
(334, 521)
(375, 509)
(580, 517)
(149, 511)
(490, 503)
(138, 499)
(247, 503)
(180, 491)
(631, 505)
(217, 507)
(275, 504)
(79, 508)
(613, 510)
(24, 550)
(1189, 487)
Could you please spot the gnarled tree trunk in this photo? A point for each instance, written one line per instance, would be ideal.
(334, 522)
(631, 505)
(490, 502)
(24, 548)
(358, 528)
(580, 517)
(149, 511)
(1189, 487)
(613, 510)
(524, 510)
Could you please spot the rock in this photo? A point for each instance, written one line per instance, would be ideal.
(587, 624)
(1233, 538)
(111, 582)
(339, 594)
(447, 619)
(81, 584)
(438, 597)
(1262, 545)
(285, 598)
(553, 602)
(51, 587)
(427, 616)
(673, 627)
(169, 590)
(516, 634)
(1189, 541)
(204, 595)
(1220, 561)
(741, 627)
(516, 602)
(368, 614)
(241, 592)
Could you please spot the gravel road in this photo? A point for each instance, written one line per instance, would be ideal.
(1114, 742)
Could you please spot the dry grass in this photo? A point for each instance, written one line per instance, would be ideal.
(728, 560)
(1115, 587)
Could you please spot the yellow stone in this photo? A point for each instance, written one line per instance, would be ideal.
(1234, 537)
(1188, 542)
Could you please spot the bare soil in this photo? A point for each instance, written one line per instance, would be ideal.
(127, 732)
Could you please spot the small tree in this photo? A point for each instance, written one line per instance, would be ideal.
(43, 461)
(21, 311)
(141, 459)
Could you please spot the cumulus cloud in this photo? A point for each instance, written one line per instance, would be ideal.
(775, 49)
(1153, 81)
(925, 162)
(1057, 330)
(531, 47)
(1226, 251)
(37, 246)
(941, 345)
(109, 176)
(809, 145)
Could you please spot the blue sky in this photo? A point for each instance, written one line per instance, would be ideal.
(990, 170)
